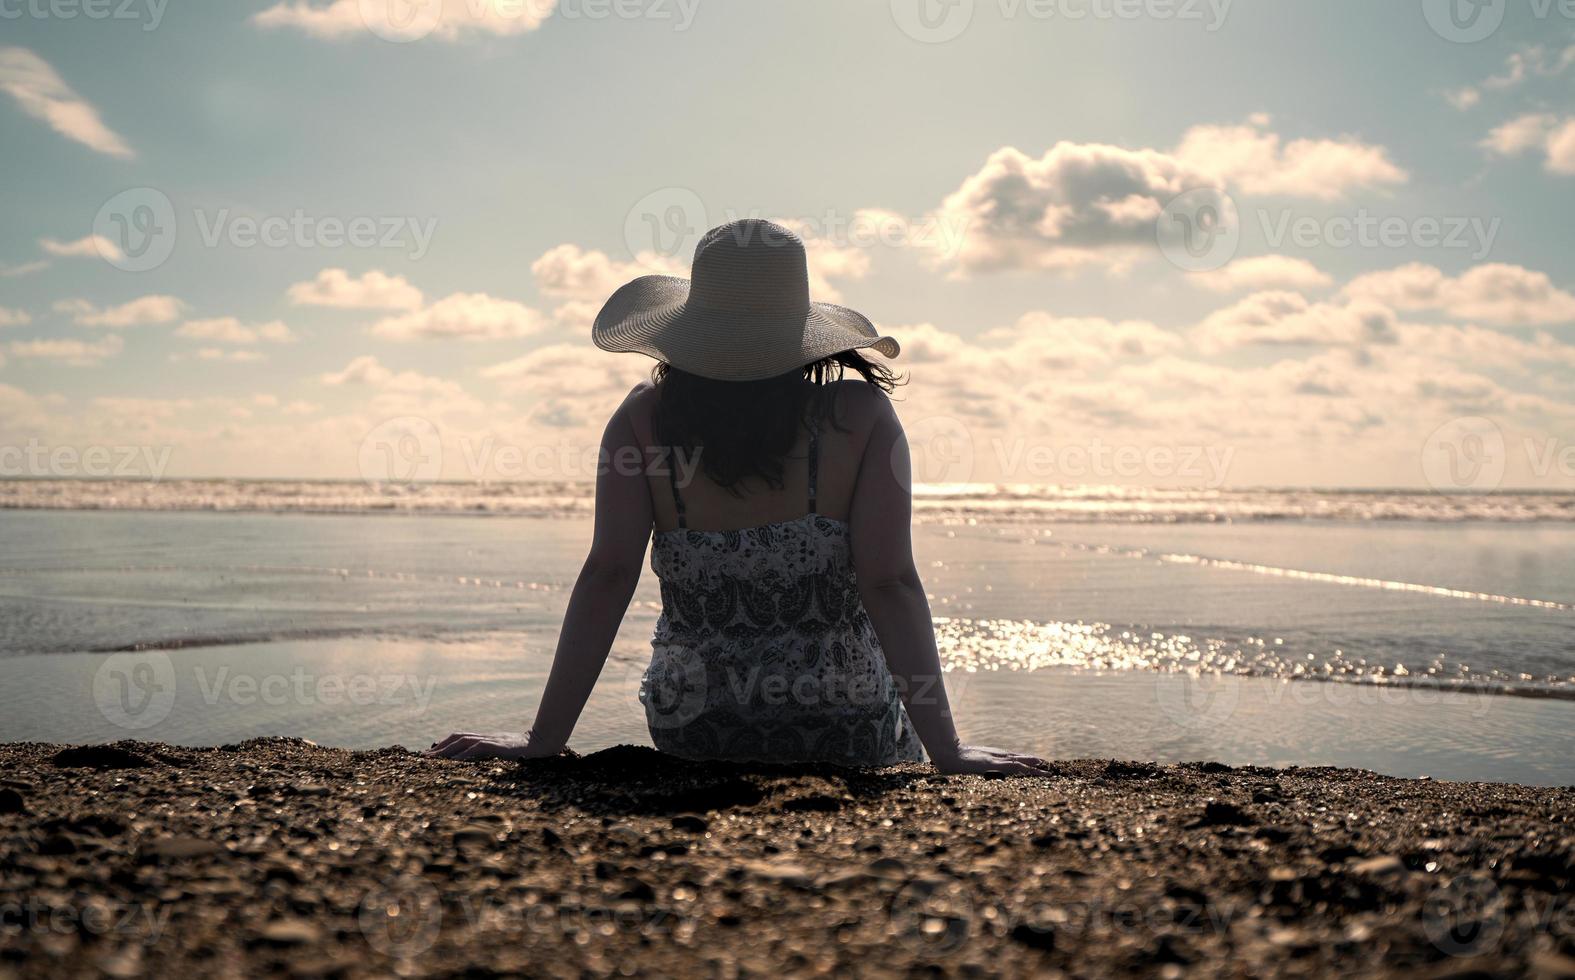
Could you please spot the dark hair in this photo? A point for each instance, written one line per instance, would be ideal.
(744, 429)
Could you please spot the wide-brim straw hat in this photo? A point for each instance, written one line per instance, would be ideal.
(745, 313)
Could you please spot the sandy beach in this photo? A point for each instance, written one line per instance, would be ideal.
(142, 859)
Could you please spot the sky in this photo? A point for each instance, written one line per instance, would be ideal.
(1199, 243)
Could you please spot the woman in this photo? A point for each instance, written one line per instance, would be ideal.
(769, 481)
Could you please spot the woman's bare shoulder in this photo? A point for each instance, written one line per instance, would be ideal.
(860, 405)
(639, 409)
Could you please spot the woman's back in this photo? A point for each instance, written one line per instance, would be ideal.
(763, 650)
(851, 411)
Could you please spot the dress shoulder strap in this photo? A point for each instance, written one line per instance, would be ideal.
(672, 479)
(814, 462)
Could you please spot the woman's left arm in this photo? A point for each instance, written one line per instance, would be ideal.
(596, 607)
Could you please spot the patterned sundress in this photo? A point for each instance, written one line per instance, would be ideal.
(763, 651)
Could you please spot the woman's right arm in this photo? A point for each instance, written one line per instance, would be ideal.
(893, 595)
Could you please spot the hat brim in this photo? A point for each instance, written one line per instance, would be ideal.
(652, 316)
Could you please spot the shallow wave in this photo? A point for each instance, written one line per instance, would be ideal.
(972, 645)
(1361, 581)
(942, 504)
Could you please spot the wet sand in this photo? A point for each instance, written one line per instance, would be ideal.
(280, 856)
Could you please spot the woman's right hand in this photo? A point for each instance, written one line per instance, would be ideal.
(980, 759)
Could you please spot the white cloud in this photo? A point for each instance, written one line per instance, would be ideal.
(43, 94)
(570, 385)
(1357, 410)
(1263, 272)
(229, 330)
(1285, 318)
(1260, 162)
(75, 352)
(1540, 132)
(577, 315)
(828, 260)
(365, 369)
(1480, 347)
(136, 313)
(925, 343)
(385, 394)
(1497, 293)
(587, 274)
(219, 354)
(1535, 59)
(1083, 204)
(14, 318)
(1463, 99)
(1520, 134)
(91, 247)
(374, 290)
(459, 19)
(584, 278)
(1044, 342)
(22, 269)
(1077, 204)
(463, 316)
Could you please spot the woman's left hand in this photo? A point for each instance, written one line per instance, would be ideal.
(498, 745)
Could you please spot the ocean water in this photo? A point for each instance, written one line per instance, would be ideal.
(1414, 634)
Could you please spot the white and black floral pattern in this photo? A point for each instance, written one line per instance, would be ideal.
(763, 651)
